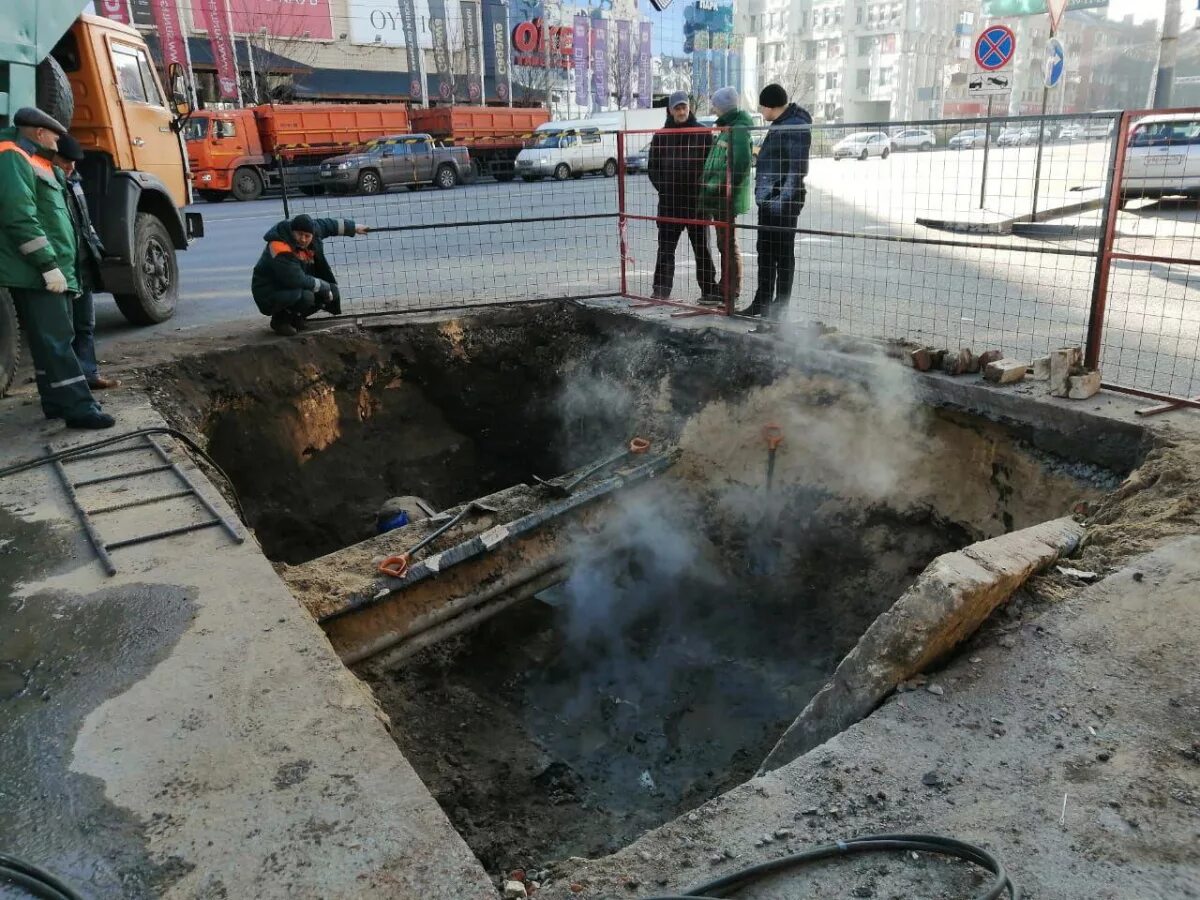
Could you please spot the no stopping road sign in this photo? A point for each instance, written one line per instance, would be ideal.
(995, 47)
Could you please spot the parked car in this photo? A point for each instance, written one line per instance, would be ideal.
(1017, 137)
(638, 161)
(564, 150)
(1087, 130)
(862, 144)
(1163, 157)
(968, 139)
(412, 160)
(914, 139)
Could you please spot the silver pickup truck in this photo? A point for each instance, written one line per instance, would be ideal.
(412, 160)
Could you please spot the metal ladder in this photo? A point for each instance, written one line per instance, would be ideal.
(165, 464)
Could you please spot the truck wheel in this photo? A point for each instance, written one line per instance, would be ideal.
(562, 172)
(214, 196)
(446, 177)
(155, 274)
(10, 341)
(369, 182)
(610, 168)
(53, 91)
(247, 184)
(505, 176)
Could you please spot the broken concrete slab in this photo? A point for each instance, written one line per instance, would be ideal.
(988, 357)
(948, 602)
(1040, 370)
(1063, 362)
(959, 363)
(1005, 371)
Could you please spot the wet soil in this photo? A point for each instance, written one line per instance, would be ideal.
(690, 634)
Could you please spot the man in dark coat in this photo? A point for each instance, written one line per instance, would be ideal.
(675, 166)
(292, 278)
(88, 257)
(779, 193)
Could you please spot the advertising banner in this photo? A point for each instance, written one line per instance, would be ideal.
(170, 34)
(645, 66)
(472, 49)
(579, 46)
(440, 38)
(216, 15)
(624, 64)
(495, 49)
(117, 10)
(600, 91)
(280, 18)
(416, 65)
(141, 12)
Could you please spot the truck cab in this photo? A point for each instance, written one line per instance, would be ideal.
(223, 149)
(135, 174)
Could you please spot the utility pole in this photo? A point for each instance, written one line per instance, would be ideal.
(1168, 49)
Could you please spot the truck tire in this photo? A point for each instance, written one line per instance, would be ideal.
(214, 196)
(369, 182)
(10, 341)
(610, 168)
(446, 177)
(155, 274)
(247, 184)
(562, 172)
(53, 91)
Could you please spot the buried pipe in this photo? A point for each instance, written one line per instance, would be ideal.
(510, 581)
(466, 617)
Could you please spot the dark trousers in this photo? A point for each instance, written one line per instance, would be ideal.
(664, 266)
(46, 319)
(296, 301)
(731, 264)
(776, 258)
(83, 315)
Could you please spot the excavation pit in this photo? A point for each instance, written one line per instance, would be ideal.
(696, 612)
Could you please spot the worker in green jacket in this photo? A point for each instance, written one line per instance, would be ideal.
(292, 278)
(37, 264)
(725, 187)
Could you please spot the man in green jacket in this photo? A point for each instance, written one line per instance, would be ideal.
(292, 278)
(37, 264)
(725, 187)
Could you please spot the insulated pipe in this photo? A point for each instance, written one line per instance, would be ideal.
(469, 618)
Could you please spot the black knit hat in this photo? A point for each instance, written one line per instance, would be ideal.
(303, 223)
(69, 148)
(772, 96)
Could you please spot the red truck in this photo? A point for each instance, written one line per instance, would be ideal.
(237, 152)
(494, 135)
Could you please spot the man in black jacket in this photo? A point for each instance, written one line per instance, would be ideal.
(88, 256)
(292, 279)
(779, 193)
(675, 166)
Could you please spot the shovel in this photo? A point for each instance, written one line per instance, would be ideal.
(764, 557)
(397, 565)
(636, 447)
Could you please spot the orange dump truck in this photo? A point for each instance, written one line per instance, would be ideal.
(237, 152)
(494, 135)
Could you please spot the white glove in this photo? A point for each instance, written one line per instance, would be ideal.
(361, 229)
(320, 287)
(56, 281)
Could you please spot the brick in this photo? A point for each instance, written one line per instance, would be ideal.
(957, 363)
(1005, 371)
(922, 360)
(988, 357)
(1082, 387)
(937, 356)
(1062, 362)
(973, 365)
(1040, 371)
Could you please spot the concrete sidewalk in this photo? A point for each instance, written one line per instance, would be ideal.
(183, 729)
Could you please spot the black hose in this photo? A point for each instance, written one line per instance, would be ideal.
(720, 888)
(36, 882)
(83, 449)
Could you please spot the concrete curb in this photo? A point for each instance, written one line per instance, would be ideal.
(1009, 226)
(1052, 230)
(946, 604)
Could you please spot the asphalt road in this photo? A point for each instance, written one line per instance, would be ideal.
(976, 290)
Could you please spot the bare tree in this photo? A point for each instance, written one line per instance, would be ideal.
(277, 34)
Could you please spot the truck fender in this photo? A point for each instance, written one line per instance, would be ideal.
(128, 194)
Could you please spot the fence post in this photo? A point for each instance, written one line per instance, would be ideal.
(727, 261)
(283, 184)
(1108, 229)
(621, 222)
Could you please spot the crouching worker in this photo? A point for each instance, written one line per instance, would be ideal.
(292, 279)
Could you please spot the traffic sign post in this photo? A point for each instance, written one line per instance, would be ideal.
(994, 49)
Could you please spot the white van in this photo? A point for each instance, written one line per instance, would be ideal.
(570, 149)
(1163, 157)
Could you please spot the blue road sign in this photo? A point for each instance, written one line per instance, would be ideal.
(1056, 62)
(995, 47)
